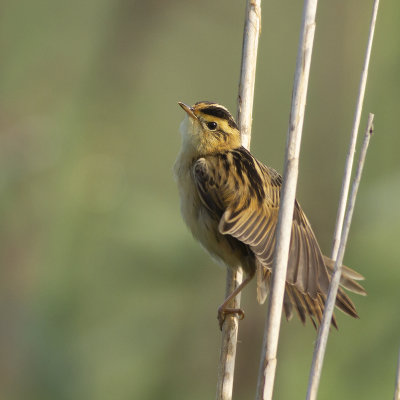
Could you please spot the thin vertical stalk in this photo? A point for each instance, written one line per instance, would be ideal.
(268, 362)
(230, 328)
(397, 384)
(323, 333)
(251, 34)
(319, 351)
(226, 365)
(356, 124)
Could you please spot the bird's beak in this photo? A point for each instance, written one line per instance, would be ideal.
(188, 109)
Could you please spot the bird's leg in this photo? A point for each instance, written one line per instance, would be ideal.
(223, 310)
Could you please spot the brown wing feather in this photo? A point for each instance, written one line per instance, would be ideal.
(207, 187)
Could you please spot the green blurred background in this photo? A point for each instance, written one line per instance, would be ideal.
(104, 294)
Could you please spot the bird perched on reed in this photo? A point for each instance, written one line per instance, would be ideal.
(230, 202)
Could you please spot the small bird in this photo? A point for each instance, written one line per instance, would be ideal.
(230, 202)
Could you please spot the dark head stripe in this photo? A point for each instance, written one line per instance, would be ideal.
(219, 112)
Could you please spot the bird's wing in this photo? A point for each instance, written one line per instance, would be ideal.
(256, 224)
(246, 196)
(208, 186)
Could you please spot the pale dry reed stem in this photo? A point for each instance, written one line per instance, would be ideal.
(268, 362)
(397, 384)
(353, 138)
(226, 366)
(251, 34)
(319, 351)
(323, 332)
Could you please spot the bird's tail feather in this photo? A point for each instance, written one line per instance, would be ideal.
(304, 304)
(348, 277)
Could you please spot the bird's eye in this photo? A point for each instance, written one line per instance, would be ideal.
(212, 125)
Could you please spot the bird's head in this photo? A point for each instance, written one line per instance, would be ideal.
(209, 128)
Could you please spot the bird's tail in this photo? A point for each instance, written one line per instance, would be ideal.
(348, 277)
(304, 304)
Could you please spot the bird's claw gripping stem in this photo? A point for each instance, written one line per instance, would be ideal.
(223, 312)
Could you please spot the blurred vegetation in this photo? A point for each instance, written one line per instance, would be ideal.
(102, 287)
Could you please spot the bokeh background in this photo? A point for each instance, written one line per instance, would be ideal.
(103, 292)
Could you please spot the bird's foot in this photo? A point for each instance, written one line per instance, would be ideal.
(223, 312)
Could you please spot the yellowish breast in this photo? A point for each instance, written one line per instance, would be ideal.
(202, 225)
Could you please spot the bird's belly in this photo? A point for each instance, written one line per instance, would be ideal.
(204, 228)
